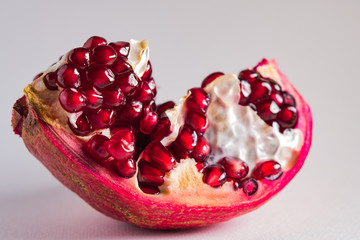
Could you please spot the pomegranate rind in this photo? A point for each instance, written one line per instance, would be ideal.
(119, 198)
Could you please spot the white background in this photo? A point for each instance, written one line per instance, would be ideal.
(315, 43)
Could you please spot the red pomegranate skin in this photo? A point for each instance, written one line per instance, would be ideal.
(119, 198)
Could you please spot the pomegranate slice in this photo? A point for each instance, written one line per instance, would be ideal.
(223, 151)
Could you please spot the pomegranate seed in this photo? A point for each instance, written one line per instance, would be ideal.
(210, 78)
(113, 96)
(149, 189)
(122, 48)
(214, 175)
(234, 167)
(124, 168)
(81, 127)
(245, 91)
(288, 99)
(277, 98)
(148, 72)
(142, 93)
(161, 130)
(259, 90)
(148, 122)
(95, 147)
(186, 140)
(197, 121)
(269, 170)
(249, 75)
(120, 66)
(267, 110)
(201, 150)
(80, 57)
(198, 100)
(152, 85)
(152, 105)
(93, 98)
(149, 174)
(71, 100)
(50, 81)
(249, 185)
(68, 76)
(122, 144)
(101, 118)
(287, 117)
(94, 41)
(103, 55)
(164, 106)
(127, 82)
(100, 77)
(156, 154)
(37, 76)
(200, 167)
(132, 110)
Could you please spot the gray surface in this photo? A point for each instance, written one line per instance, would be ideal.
(316, 45)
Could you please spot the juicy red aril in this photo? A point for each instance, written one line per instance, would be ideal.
(120, 66)
(82, 126)
(148, 72)
(149, 174)
(50, 81)
(93, 99)
(287, 117)
(198, 100)
(234, 167)
(259, 90)
(200, 167)
(214, 175)
(101, 118)
(277, 97)
(96, 148)
(198, 122)
(161, 130)
(148, 189)
(269, 170)
(80, 57)
(148, 122)
(143, 93)
(249, 186)
(152, 85)
(127, 82)
(124, 168)
(156, 154)
(210, 78)
(186, 140)
(68, 76)
(248, 75)
(164, 106)
(103, 55)
(122, 144)
(113, 96)
(71, 100)
(122, 48)
(288, 99)
(201, 150)
(267, 110)
(131, 111)
(94, 41)
(100, 77)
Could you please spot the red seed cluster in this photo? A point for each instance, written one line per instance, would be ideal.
(265, 96)
(97, 80)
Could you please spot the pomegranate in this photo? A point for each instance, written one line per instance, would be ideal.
(224, 150)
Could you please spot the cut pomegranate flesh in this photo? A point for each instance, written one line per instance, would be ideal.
(228, 146)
